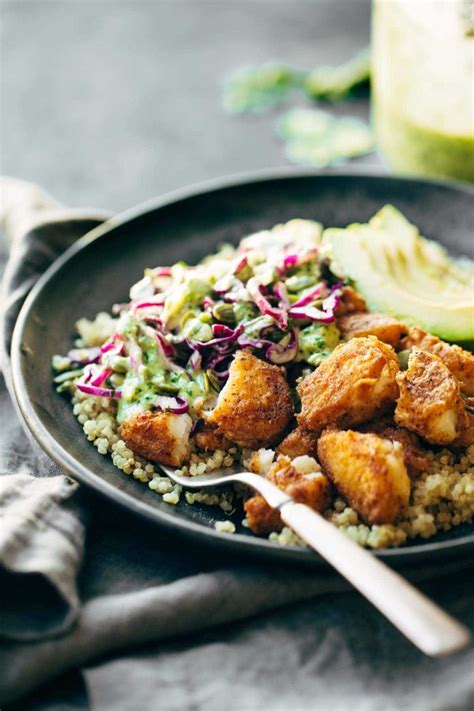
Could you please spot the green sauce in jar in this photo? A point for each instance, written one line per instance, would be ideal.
(423, 108)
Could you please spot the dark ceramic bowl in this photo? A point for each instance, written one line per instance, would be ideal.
(98, 271)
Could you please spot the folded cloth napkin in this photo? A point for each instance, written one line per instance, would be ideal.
(41, 547)
(140, 585)
(42, 534)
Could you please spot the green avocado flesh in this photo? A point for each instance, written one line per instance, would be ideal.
(401, 273)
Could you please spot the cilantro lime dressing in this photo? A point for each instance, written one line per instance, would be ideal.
(316, 342)
(152, 374)
(422, 87)
(141, 391)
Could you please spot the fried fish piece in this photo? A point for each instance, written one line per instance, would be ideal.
(209, 438)
(260, 461)
(261, 518)
(458, 361)
(298, 443)
(350, 302)
(312, 489)
(466, 431)
(430, 401)
(353, 385)
(255, 405)
(158, 436)
(369, 472)
(414, 453)
(385, 328)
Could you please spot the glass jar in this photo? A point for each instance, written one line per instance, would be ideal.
(423, 86)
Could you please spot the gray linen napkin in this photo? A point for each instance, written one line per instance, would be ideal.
(42, 534)
(139, 585)
(40, 549)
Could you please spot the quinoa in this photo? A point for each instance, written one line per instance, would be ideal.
(95, 332)
(224, 526)
(286, 537)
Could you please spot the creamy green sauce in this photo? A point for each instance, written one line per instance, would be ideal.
(413, 149)
(422, 87)
(153, 377)
(316, 342)
(139, 390)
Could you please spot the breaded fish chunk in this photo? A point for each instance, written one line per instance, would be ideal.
(255, 405)
(260, 461)
(353, 385)
(466, 431)
(209, 438)
(369, 472)
(385, 328)
(414, 453)
(158, 436)
(312, 489)
(298, 443)
(261, 518)
(350, 302)
(430, 401)
(459, 361)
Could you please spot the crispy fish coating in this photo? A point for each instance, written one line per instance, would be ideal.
(459, 361)
(311, 489)
(353, 385)
(255, 405)
(298, 443)
(430, 401)
(208, 438)
(158, 436)
(385, 328)
(414, 453)
(369, 472)
(262, 519)
(466, 431)
(351, 302)
(260, 461)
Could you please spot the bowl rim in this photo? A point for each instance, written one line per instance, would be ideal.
(78, 471)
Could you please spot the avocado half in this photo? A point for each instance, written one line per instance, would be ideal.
(403, 274)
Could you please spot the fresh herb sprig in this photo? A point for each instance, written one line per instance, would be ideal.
(255, 89)
(312, 137)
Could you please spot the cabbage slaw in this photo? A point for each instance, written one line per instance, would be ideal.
(175, 339)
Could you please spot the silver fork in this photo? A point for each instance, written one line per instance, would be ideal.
(425, 624)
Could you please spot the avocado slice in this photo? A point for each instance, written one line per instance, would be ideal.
(403, 274)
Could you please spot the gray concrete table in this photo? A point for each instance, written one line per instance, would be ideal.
(108, 103)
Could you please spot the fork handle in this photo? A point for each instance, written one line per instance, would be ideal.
(425, 624)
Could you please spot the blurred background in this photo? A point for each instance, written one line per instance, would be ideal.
(108, 102)
(111, 102)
